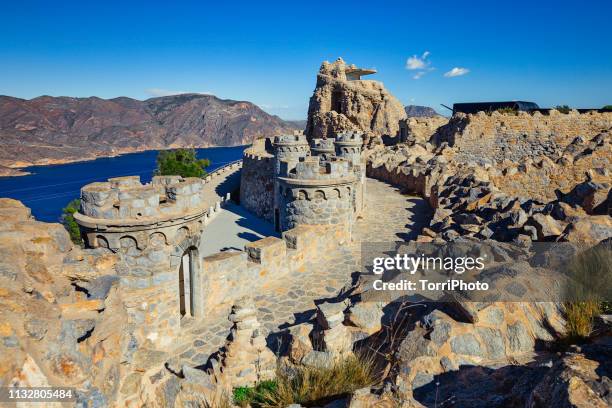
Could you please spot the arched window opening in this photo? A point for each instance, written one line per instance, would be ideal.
(187, 283)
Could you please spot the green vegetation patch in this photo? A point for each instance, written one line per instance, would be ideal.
(563, 108)
(181, 162)
(255, 396)
(70, 223)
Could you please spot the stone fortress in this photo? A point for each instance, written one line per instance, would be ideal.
(156, 229)
(139, 316)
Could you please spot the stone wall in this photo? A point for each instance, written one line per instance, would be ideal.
(227, 276)
(419, 129)
(516, 137)
(533, 155)
(257, 183)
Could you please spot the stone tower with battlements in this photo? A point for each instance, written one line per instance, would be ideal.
(290, 148)
(156, 230)
(315, 192)
(320, 184)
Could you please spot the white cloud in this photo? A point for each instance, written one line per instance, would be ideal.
(167, 92)
(455, 72)
(418, 75)
(416, 62)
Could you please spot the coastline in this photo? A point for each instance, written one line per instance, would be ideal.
(14, 169)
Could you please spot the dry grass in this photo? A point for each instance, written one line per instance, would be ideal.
(590, 290)
(309, 386)
(580, 317)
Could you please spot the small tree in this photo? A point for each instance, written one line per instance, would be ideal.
(563, 108)
(69, 222)
(180, 162)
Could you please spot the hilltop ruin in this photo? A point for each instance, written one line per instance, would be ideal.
(139, 317)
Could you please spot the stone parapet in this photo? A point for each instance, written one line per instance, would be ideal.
(317, 170)
(323, 147)
(518, 136)
(228, 276)
(257, 183)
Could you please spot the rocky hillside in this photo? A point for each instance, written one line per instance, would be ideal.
(47, 129)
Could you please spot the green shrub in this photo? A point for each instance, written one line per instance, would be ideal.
(180, 162)
(254, 396)
(563, 108)
(69, 222)
(607, 107)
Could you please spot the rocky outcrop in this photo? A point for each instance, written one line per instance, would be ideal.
(534, 154)
(62, 319)
(420, 129)
(340, 104)
(501, 332)
(564, 195)
(49, 130)
(580, 379)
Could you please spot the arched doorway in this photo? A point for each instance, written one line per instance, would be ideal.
(188, 284)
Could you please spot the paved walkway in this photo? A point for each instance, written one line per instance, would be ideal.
(389, 216)
(218, 187)
(232, 229)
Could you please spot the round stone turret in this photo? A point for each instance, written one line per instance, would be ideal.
(323, 147)
(123, 206)
(155, 229)
(315, 192)
(290, 148)
(348, 145)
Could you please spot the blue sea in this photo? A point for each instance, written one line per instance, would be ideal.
(49, 188)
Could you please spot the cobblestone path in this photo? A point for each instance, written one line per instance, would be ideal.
(389, 216)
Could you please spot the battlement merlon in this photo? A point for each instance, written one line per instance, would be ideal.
(290, 140)
(349, 139)
(313, 171)
(125, 199)
(324, 147)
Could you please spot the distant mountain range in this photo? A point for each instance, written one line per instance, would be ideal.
(48, 130)
(420, 111)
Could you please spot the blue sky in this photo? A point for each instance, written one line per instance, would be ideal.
(269, 52)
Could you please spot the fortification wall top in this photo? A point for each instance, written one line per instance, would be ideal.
(313, 170)
(290, 140)
(127, 198)
(323, 146)
(126, 201)
(349, 138)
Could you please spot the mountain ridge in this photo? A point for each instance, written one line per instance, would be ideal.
(51, 130)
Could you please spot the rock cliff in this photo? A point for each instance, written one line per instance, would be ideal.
(340, 104)
(47, 130)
